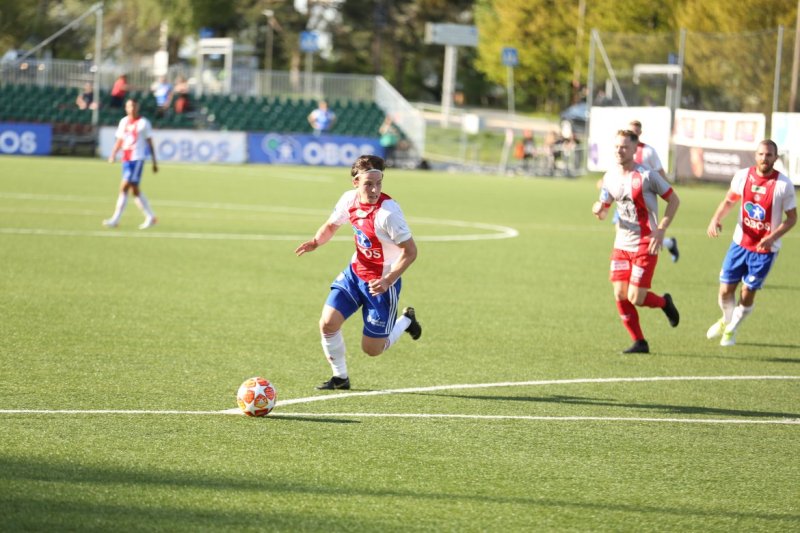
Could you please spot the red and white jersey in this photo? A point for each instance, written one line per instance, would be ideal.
(636, 193)
(764, 201)
(134, 134)
(647, 156)
(379, 228)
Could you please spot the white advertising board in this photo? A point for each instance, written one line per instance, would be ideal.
(187, 146)
(604, 122)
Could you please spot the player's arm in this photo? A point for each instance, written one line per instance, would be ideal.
(408, 253)
(152, 153)
(600, 207)
(715, 226)
(657, 237)
(114, 150)
(788, 223)
(323, 235)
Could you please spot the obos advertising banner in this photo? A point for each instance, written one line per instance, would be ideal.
(186, 146)
(26, 139)
(324, 150)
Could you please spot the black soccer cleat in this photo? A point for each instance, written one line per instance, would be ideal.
(671, 311)
(335, 384)
(639, 346)
(414, 328)
(673, 250)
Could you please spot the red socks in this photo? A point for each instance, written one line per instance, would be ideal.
(654, 300)
(630, 317)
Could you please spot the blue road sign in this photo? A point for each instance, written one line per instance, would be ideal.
(309, 41)
(510, 56)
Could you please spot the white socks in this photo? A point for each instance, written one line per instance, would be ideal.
(333, 346)
(122, 201)
(144, 205)
(739, 314)
(141, 203)
(727, 307)
(398, 330)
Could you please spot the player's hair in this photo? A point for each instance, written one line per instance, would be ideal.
(635, 124)
(367, 162)
(629, 134)
(772, 144)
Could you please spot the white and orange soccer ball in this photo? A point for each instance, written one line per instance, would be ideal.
(256, 396)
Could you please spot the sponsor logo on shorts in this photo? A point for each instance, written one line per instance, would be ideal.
(620, 265)
(637, 272)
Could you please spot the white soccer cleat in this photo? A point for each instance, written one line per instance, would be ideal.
(728, 338)
(716, 329)
(148, 223)
(110, 223)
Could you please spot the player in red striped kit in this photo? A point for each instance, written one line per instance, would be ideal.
(384, 250)
(766, 195)
(646, 155)
(639, 237)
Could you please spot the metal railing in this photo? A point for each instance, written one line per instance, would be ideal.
(244, 81)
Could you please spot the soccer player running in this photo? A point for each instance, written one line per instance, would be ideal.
(384, 250)
(639, 235)
(134, 134)
(646, 155)
(766, 195)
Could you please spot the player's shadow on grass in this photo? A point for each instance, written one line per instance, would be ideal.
(327, 420)
(609, 402)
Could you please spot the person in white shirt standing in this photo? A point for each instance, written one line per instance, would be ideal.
(766, 196)
(134, 137)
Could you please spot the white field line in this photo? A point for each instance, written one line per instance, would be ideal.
(494, 231)
(283, 403)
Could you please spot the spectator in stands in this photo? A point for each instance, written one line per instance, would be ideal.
(322, 119)
(119, 91)
(85, 100)
(526, 150)
(390, 136)
(182, 104)
(162, 91)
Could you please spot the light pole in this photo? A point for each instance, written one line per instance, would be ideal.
(268, 51)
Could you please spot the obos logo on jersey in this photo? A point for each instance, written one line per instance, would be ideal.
(755, 211)
(362, 239)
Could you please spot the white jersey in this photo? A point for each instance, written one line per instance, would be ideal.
(647, 156)
(379, 228)
(636, 193)
(134, 135)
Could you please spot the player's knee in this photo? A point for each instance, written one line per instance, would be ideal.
(326, 328)
(373, 347)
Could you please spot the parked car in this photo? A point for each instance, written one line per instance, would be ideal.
(573, 119)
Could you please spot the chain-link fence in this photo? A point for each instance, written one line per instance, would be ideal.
(739, 72)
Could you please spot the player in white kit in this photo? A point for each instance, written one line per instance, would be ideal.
(384, 250)
(134, 137)
(639, 238)
(766, 195)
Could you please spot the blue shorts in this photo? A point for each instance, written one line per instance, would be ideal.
(132, 171)
(750, 268)
(349, 292)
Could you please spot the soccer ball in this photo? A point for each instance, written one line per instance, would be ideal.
(256, 397)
